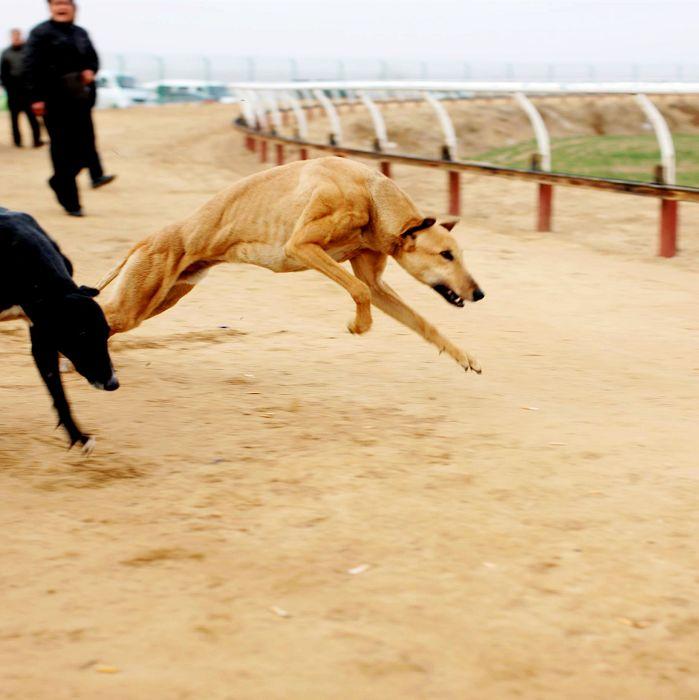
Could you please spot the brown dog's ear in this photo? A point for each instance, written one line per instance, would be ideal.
(449, 224)
(426, 223)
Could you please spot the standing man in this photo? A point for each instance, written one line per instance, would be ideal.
(61, 65)
(12, 78)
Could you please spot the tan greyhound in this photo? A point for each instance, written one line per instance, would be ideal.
(311, 214)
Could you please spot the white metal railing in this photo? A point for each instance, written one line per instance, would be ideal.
(245, 106)
(270, 99)
(333, 117)
(541, 133)
(663, 135)
(252, 97)
(299, 114)
(445, 122)
(377, 120)
(260, 93)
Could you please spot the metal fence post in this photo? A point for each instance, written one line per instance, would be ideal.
(664, 137)
(160, 62)
(207, 68)
(669, 220)
(294, 69)
(251, 68)
(454, 193)
(381, 137)
(669, 214)
(545, 207)
(544, 221)
(335, 136)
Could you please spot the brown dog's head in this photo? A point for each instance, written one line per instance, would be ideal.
(431, 255)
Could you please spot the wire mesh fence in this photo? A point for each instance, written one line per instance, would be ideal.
(152, 67)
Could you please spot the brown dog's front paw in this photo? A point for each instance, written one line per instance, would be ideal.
(470, 363)
(357, 326)
(474, 365)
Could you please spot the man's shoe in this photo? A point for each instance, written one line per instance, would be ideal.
(102, 181)
(77, 212)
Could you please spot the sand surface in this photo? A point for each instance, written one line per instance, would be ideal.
(277, 509)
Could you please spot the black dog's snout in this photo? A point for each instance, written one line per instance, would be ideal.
(478, 294)
(112, 384)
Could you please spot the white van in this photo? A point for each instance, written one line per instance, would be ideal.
(119, 90)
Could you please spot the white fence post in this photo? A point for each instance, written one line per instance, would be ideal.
(246, 108)
(260, 115)
(450, 144)
(543, 142)
(271, 99)
(664, 137)
(333, 118)
(299, 115)
(381, 141)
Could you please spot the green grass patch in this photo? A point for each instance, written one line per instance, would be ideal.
(621, 157)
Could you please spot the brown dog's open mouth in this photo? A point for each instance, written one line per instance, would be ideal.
(449, 294)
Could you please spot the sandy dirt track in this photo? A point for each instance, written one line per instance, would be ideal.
(528, 533)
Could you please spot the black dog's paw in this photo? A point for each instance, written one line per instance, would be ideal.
(87, 444)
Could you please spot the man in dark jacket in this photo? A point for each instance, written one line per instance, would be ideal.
(12, 78)
(60, 65)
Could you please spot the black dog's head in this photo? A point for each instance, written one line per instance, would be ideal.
(80, 332)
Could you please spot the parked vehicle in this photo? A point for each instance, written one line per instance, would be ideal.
(167, 91)
(120, 90)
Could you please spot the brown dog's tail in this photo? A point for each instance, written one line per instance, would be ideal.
(111, 276)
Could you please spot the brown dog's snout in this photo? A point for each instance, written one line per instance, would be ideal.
(478, 294)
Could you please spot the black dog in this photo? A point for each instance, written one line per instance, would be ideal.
(36, 282)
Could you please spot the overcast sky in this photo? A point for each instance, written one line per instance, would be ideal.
(526, 31)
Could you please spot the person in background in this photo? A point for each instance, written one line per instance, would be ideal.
(12, 78)
(61, 64)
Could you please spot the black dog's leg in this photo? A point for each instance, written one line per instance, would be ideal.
(46, 359)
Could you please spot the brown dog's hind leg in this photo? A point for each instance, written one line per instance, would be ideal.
(173, 296)
(184, 285)
(369, 266)
(142, 287)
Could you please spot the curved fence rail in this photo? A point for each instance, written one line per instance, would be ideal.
(261, 121)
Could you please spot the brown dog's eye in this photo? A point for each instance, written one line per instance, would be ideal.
(446, 254)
